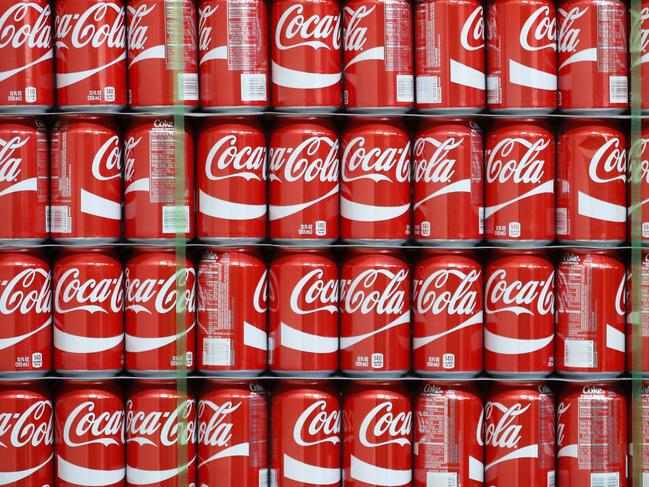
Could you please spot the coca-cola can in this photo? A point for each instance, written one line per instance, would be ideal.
(86, 180)
(24, 180)
(26, 314)
(377, 442)
(233, 55)
(448, 183)
(303, 173)
(453, 79)
(303, 317)
(155, 280)
(232, 434)
(591, 182)
(447, 450)
(151, 211)
(26, 56)
(375, 182)
(375, 313)
(89, 431)
(28, 433)
(590, 314)
(447, 314)
(519, 183)
(521, 56)
(90, 42)
(593, 46)
(231, 180)
(232, 328)
(637, 318)
(519, 435)
(305, 434)
(519, 314)
(88, 312)
(306, 55)
(592, 435)
(160, 435)
(156, 46)
(641, 417)
(638, 177)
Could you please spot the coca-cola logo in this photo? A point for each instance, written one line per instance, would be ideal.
(161, 293)
(83, 422)
(130, 144)
(32, 427)
(375, 163)
(217, 431)
(517, 296)
(386, 426)
(505, 431)
(368, 292)
(107, 162)
(91, 295)
(355, 33)
(435, 294)
(205, 30)
(432, 390)
(439, 167)
(247, 162)
(526, 169)
(568, 34)
(316, 425)
(27, 291)
(294, 29)
(608, 164)
(10, 162)
(539, 31)
(562, 409)
(472, 34)
(137, 28)
(620, 297)
(162, 426)
(93, 27)
(260, 296)
(314, 290)
(315, 158)
(592, 390)
(16, 32)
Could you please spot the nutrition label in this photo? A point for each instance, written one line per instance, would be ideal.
(436, 419)
(611, 43)
(397, 39)
(597, 448)
(243, 37)
(162, 165)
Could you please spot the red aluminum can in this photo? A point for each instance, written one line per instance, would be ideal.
(453, 79)
(639, 155)
(592, 435)
(590, 314)
(641, 314)
(231, 186)
(232, 336)
(519, 434)
(150, 211)
(305, 434)
(519, 189)
(303, 173)
(24, 184)
(303, 318)
(375, 313)
(377, 443)
(519, 314)
(86, 180)
(28, 433)
(89, 429)
(90, 41)
(26, 56)
(593, 46)
(378, 56)
(447, 314)
(88, 312)
(233, 55)
(153, 344)
(375, 181)
(152, 30)
(521, 56)
(26, 314)
(232, 434)
(448, 183)
(643, 432)
(154, 436)
(591, 182)
(305, 54)
(448, 451)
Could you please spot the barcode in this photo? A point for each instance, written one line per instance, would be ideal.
(218, 351)
(428, 89)
(579, 353)
(60, 221)
(190, 86)
(273, 477)
(561, 217)
(175, 219)
(441, 479)
(263, 478)
(253, 87)
(47, 220)
(618, 89)
(481, 220)
(605, 479)
(493, 89)
(405, 88)
(551, 482)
